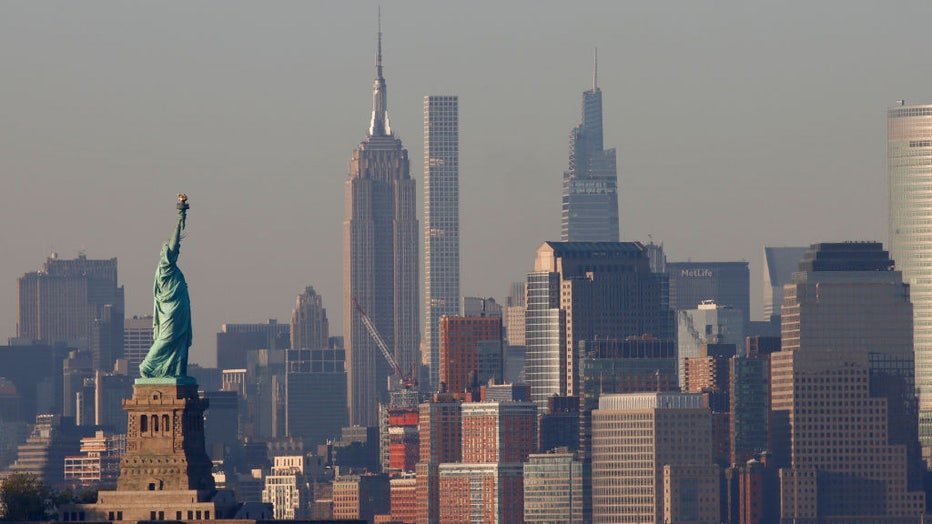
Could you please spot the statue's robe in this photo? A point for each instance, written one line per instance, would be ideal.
(171, 318)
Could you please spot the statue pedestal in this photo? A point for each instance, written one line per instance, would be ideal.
(165, 439)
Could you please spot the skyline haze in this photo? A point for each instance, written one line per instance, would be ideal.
(736, 126)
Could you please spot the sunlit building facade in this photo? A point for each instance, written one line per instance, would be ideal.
(909, 170)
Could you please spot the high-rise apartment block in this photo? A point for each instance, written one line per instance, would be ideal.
(470, 351)
(77, 302)
(289, 487)
(441, 221)
(652, 459)
(590, 184)
(779, 265)
(380, 260)
(843, 401)
(586, 291)
(725, 283)
(441, 441)
(909, 166)
(309, 326)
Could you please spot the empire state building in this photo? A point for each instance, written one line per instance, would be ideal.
(380, 260)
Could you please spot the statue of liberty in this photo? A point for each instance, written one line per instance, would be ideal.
(171, 316)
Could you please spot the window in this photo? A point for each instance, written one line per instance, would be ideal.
(143, 424)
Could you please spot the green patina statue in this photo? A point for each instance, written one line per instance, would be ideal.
(168, 357)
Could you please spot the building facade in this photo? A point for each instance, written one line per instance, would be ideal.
(137, 340)
(76, 302)
(584, 291)
(441, 222)
(309, 326)
(709, 323)
(652, 460)
(590, 184)
(315, 394)
(465, 344)
(553, 488)
(380, 260)
(843, 399)
(779, 265)
(725, 283)
(909, 168)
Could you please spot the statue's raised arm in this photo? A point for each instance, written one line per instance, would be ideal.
(171, 315)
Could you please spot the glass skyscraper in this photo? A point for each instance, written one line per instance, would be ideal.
(590, 185)
(441, 221)
(909, 169)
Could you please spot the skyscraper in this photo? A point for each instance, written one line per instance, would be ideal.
(909, 167)
(77, 302)
(590, 185)
(843, 401)
(725, 283)
(779, 265)
(584, 291)
(441, 221)
(380, 261)
(309, 327)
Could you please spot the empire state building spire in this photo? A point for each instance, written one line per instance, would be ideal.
(379, 125)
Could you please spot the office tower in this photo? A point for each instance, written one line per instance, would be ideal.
(37, 372)
(315, 394)
(466, 343)
(441, 221)
(309, 327)
(652, 459)
(289, 488)
(110, 391)
(76, 302)
(709, 374)
(265, 394)
(709, 323)
(584, 291)
(779, 265)
(842, 392)
(909, 165)
(639, 364)
(441, 441)
(590, 185)
(137, 340)
(235, 340)
(361, 497)
(553, 488)
(221, 424)
(380, 261)
(749, 395)
(725, 283)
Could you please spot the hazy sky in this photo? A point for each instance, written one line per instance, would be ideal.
(737, 125)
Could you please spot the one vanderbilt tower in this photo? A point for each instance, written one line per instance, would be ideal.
(590, 185)
(380, 260)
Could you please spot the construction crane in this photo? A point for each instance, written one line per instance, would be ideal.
(407, 381)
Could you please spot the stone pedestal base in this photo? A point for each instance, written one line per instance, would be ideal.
(165, 441)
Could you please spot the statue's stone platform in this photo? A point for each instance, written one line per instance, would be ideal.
(165, 440)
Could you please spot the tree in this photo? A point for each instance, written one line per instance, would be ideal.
(25, 497)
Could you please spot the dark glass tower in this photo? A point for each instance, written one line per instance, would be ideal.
(590, 185)
(380, 260)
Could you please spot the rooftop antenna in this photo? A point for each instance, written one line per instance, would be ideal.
(595, 69)
(378, 55)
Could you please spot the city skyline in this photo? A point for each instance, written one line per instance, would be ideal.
(254, 119)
